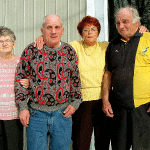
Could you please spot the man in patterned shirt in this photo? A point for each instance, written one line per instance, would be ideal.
(54, 92)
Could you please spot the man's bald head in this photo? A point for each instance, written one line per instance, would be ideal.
(51, 16)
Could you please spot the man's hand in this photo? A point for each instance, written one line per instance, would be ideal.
(107, 109)
(24, 116)
(143, 29)
(148, 110)
(69, 111)
(25, 83)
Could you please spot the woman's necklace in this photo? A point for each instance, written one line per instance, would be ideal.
(89, 50)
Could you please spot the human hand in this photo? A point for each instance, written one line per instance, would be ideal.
(39, 42)
(148, 110)
(143, 29)
(25, 83)
(69, 111)
(24, 116)
(107, 109)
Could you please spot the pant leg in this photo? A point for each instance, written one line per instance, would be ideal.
(14, 134)
(141, 128)
(82, 126)
(122, 126)
(60, 130)
(37, 130)
(102, 127)
(3, 142)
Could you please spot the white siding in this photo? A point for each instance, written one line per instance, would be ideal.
(25, 18)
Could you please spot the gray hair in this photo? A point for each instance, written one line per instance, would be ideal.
(133, 11)
(44, 20)
(4, 31)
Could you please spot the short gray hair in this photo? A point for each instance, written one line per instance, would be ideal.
(44, 20)
(133, 11)
(4, 31)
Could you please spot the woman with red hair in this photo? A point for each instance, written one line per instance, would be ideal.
(91, 56)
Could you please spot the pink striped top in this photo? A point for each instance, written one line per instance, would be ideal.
(8, 107)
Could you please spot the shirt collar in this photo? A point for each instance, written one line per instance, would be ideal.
(136, 34)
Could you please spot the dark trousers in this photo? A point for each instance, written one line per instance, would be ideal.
(11, 135)
(131, 127)
(88, 116)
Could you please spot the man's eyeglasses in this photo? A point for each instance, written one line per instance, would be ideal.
(6, 41)
(92, 30)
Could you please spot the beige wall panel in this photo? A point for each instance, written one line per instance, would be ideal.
(29, 28)
(39, 13)
(25, 18)
(3, 12)
(50, 7)
(83, 8)
(17, 23)
(73, 19)
(62, 11)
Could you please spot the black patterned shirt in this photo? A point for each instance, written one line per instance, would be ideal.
(54, 78)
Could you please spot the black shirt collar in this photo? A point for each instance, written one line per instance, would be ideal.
(137, 34)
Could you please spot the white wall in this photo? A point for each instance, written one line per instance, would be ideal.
(25, 18)
(98, 9)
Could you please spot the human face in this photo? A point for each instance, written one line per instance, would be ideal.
(90, 34)
(52, 31)
(124, 24)
(6, 44)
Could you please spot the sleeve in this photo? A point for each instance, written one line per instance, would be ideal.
(22, 72)
(107, 60)
(75, 45)
(104, 45)
(75, 84)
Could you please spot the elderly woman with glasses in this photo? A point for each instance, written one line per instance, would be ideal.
(11, 128)
(91, 57)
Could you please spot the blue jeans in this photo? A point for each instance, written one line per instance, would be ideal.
(54, 123)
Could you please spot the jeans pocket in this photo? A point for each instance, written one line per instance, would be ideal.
(32, 112)
(61, 111)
